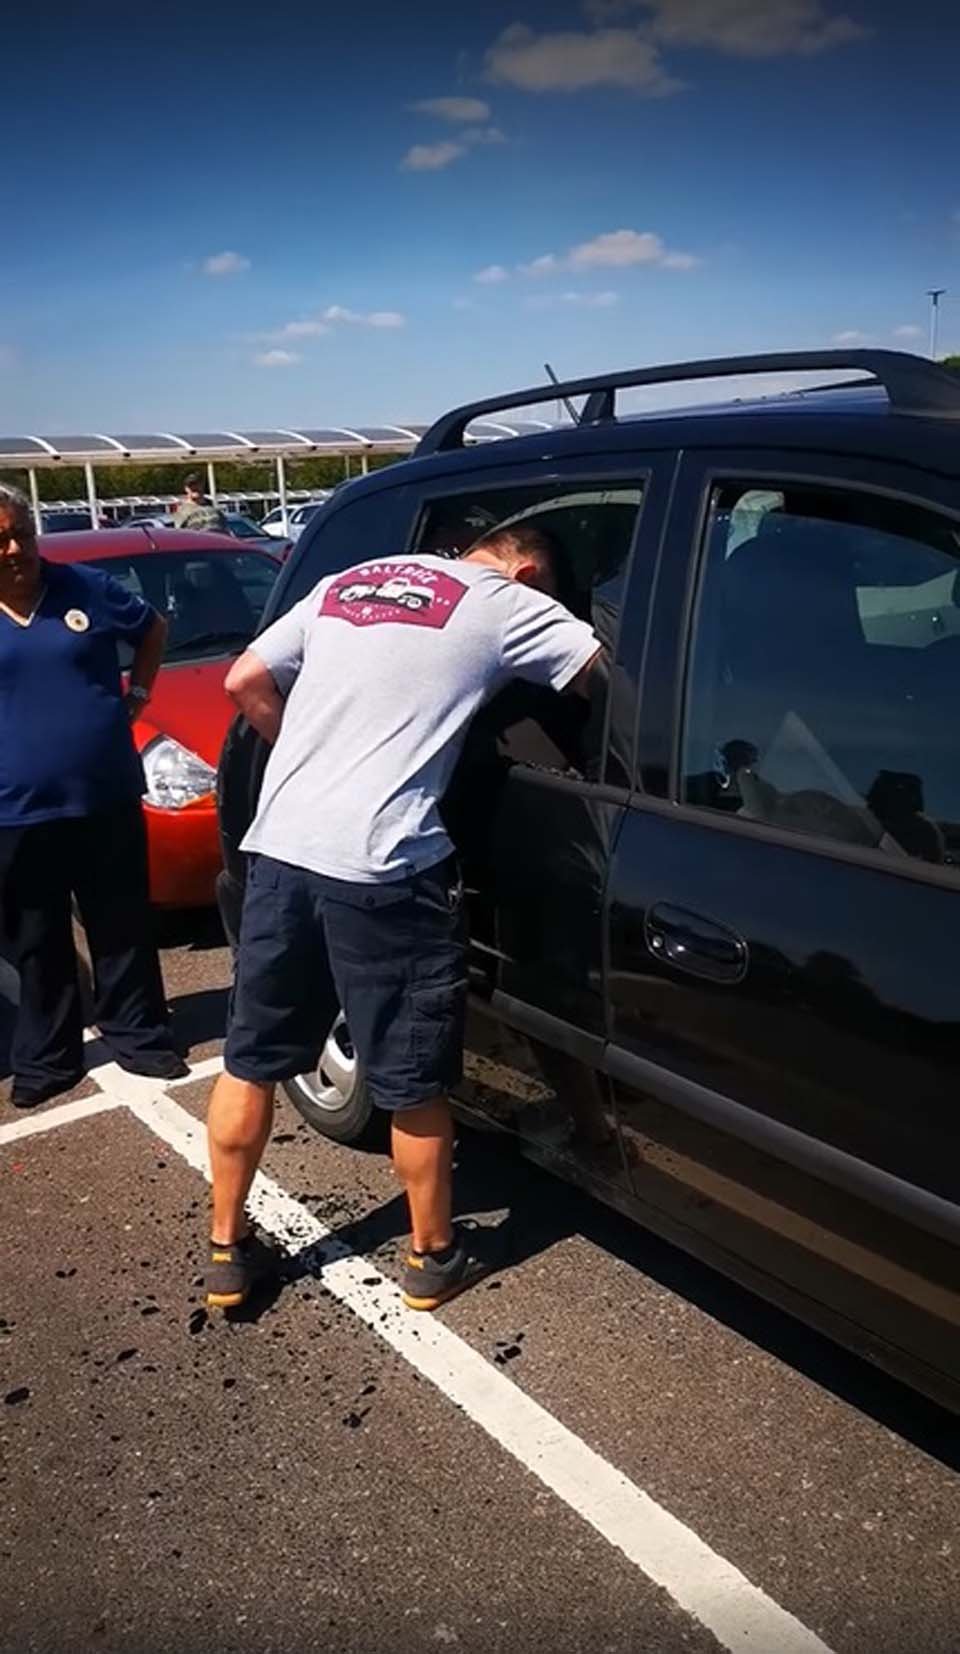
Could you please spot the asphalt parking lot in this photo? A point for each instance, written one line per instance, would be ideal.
(605, 1447)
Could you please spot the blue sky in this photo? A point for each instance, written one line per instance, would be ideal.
(288, 213)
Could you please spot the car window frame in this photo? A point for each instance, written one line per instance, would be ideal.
(340, 501)
(675, 613)
(642, 468)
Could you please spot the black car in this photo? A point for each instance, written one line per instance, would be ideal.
(715, 914)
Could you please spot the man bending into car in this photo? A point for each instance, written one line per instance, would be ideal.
(365, 691)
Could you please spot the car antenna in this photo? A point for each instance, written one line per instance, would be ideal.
(571, 410)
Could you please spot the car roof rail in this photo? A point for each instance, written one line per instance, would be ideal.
(912, 383)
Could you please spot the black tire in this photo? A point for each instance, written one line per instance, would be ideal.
(334, 1099)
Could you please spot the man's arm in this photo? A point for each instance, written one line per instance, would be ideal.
(581, 684)
(250, 686)
(147, 658)
(261, 679)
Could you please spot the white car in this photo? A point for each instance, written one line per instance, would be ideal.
(298, 517)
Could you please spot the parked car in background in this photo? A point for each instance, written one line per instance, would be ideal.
(212, 594)
(237, 526)
(65, 521)
(715, 914)
(298, 516)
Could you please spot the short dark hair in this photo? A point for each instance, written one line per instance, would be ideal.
(194, 481)
(523, 542)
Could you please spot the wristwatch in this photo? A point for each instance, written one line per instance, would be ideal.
(137, 693)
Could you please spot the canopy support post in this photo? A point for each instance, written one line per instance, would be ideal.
(91, 493)
(35, 500)
(212, 481)
(282, 491)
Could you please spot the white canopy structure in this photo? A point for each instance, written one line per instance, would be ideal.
(41, 453)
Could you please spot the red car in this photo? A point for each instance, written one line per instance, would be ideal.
(212, 592)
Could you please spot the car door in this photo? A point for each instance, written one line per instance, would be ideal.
(785, 895)
(536, 807)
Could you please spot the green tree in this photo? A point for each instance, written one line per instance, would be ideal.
(952, 362)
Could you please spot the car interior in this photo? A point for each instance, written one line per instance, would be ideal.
(201, 598)
(817, 696)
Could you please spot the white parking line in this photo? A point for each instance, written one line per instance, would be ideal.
(32, 1124)
(738, 1613)
(202, 1070)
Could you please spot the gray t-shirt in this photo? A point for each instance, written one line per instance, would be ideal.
(383, 667)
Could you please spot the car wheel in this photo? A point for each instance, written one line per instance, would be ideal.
(333, 1098)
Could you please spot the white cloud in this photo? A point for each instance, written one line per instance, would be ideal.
(276, 358)
(545, 265)
(358, 318)
(483, 135)
(630, 55)
(453, 109)
(431, 157)
(491, 275)
(741, 28)
(614, 250)
(569, 60)
(316, 327)
(301, 330)
(604, 300)
(225, 264)
(851, 336)
(908, 331)
(619, 248)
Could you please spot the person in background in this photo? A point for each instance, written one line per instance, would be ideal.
(71, 822)
(365, 691)
(196, 511)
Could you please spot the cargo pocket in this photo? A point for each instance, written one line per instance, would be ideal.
(438, 1023)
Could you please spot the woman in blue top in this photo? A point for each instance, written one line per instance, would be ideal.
(71, 823)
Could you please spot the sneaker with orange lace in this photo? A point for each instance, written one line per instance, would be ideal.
(234, 1271)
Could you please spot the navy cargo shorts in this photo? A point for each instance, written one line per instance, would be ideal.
(391, 956)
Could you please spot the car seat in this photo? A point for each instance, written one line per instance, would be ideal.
(208, 598)
(822, 708)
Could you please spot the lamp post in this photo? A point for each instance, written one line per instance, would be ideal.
(934, 294)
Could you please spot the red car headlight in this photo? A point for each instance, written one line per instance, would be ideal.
(175, 775)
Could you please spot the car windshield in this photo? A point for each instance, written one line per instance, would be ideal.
(212, 602)
(242, 528)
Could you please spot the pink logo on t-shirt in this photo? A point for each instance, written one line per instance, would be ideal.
(405, 592)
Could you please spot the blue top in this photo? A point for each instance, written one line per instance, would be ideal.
(65, 743)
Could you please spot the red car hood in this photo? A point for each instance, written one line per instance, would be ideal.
(189, 703)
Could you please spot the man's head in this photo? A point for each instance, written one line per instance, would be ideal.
(193, 488)
(524, 554)
(19, 557)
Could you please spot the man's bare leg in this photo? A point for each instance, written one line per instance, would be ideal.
(422, 1143)
(239, 1121)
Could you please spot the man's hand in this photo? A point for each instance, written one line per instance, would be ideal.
(144, 667)
(135, 705)
(254, 693)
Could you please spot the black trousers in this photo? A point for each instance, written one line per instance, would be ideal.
(102, 861)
